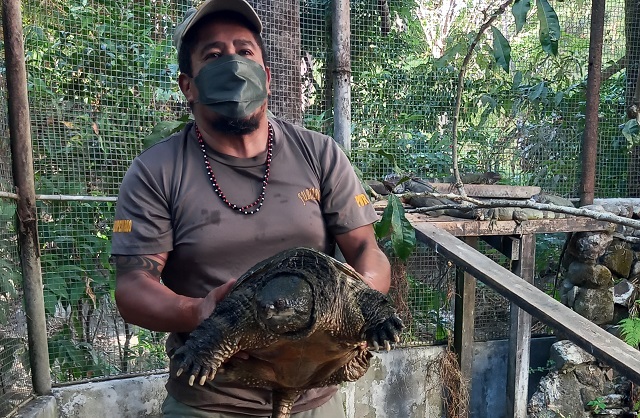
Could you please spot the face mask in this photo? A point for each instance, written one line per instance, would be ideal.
(232, 86)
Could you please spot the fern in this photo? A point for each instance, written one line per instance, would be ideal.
(630, 328)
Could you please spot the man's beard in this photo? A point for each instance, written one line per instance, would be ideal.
(237, 126)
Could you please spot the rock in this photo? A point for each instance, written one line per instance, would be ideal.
(624, 293)
(588, 394)
(589, 246)
(557, 395)
(568, 293)
(568, 259)
(591, 376)
(595, 304)
(613, 400)
(566, 356)
(612, 208)
(378, 187)
(589, 275)
(618, 258)
(635, 268)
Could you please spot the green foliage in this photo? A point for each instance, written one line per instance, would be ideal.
(630, 329)
(164, 129)
(73, 360)
(597, 405)
(631, 132)
(101, 74)
(551, 365)
(150, 350)
(549, 27)
(501, 49)
(428, 307)
(394, 224)
(520, 9)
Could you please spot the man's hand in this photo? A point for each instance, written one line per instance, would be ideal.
(209, 303)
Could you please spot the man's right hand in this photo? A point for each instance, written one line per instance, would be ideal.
(209, 303)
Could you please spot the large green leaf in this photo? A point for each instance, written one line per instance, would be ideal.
(631, 131)
(501, 49)
(520, 10)
(403, 238)
(164, 129)
(549, 27)
(394, 224)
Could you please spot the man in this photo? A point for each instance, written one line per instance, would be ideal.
(198, 209)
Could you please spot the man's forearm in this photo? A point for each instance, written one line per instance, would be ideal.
(374, 267)
(146, 302)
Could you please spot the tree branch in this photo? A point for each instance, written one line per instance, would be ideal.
(608, 72)
(496, 203)
(456, 114)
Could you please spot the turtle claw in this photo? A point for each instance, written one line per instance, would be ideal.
(179, 372)
(385, 333)
(192, 378)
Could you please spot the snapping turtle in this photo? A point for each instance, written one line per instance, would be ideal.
(305, 320)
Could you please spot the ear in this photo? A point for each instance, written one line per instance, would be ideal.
(188, 87)
(268, 71)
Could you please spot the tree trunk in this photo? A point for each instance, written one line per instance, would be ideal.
(632, 33)
(281, 20)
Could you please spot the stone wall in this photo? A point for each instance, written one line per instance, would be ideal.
(601, 274)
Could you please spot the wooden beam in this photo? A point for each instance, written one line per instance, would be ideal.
(520, 335)
(579, 330)
(471, 227)
(463, 329)
(508, 246)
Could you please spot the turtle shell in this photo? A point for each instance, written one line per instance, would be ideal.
(304, 320)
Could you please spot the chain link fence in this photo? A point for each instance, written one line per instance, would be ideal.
(102, 74)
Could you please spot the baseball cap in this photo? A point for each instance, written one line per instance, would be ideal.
(194, 14)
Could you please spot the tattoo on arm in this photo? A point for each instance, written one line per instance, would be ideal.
(150, 264)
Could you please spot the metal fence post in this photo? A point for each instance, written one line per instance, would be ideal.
(22, 159)
(341, 36)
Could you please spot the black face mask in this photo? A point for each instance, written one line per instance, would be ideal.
(232, 86)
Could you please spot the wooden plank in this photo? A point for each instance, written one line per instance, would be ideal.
(490, 190)
(581, 331)
(520, 335)
(508, 246)
(463, 329)
(470, 227)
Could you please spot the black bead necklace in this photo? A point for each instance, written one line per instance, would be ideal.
(255, 206)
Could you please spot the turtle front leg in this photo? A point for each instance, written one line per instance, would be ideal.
(382, 325)
(212, 343)
(282, 401)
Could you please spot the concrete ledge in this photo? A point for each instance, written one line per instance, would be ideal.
(41, 407)
(139, 396)
(398, 384)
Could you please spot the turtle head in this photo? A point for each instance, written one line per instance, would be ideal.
(285, 304)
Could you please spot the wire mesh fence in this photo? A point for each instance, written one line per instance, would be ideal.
(102, 74)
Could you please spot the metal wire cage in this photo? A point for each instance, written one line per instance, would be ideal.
(102, 74)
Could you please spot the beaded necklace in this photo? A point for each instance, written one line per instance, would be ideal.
(255, 206)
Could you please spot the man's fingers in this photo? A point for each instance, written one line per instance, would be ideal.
(222, 291)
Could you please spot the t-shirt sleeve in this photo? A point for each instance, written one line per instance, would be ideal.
(344, 202)
(142, 222)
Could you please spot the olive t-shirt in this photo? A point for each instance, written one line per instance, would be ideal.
(167, 204)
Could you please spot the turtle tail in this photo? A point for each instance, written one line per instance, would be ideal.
(282, 401)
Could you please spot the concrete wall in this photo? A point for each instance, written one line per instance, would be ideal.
(489, 386)
(397, 385)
